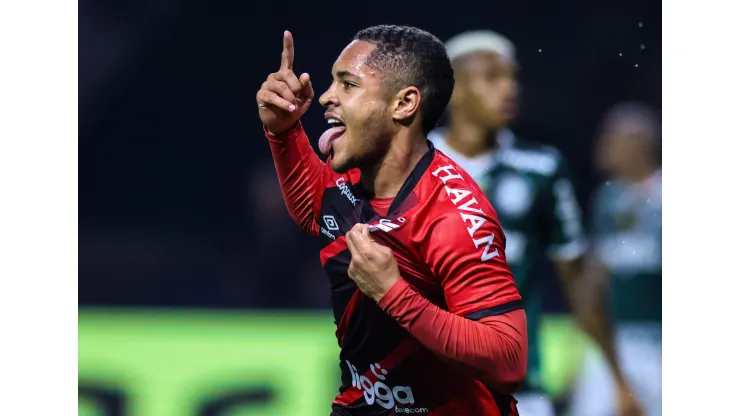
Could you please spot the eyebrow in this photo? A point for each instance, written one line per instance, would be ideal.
(345, 74)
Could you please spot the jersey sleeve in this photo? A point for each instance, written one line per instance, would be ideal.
(301, 174)
(465, 251)
(563, 217)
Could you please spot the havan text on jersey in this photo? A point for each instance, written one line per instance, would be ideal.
(463, 200)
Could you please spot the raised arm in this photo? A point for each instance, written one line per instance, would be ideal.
(281, 101)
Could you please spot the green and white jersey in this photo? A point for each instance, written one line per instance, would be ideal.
(627, 231)
(530, 187)
(477, 166)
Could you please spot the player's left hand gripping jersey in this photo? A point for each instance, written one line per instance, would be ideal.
(449, 247)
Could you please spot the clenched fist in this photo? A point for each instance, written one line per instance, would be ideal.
(284, 98)
(373, 266)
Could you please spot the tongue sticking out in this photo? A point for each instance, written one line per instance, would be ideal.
(329, 137)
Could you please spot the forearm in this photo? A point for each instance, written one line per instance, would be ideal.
(589, 303)
(299, 171)
(492, 350)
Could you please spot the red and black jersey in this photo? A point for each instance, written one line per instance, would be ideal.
(449, 247)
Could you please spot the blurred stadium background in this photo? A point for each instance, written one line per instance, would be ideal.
(197, 294)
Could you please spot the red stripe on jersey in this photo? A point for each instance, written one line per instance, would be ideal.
(407, 347)
(349, 310)
(331, 250)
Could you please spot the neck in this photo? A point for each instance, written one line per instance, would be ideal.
(386, 177)
(468, 138)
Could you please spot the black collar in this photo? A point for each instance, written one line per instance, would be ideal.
(368, 213)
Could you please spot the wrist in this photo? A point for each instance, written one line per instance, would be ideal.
(281, 132)
(391, 295)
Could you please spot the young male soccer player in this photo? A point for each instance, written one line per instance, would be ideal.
(428, 318)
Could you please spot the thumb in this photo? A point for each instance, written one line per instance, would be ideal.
(365, 232)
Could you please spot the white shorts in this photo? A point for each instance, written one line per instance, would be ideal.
(534, 404)
(639, 350)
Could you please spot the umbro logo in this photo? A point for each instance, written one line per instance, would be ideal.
(331, 223)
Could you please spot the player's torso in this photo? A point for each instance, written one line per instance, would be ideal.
(628, 233)
(384, 369)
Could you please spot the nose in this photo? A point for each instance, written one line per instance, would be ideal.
(328, 98)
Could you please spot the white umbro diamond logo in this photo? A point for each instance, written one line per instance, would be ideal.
(331, 223)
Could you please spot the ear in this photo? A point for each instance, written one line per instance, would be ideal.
(406, 104)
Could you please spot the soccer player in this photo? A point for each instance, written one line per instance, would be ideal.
(627, 233)
(529, 185)
(428, 317)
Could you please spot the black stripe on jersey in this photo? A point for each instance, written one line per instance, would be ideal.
(362, 349)
(503, 402)
(337, 410)
(408, 186)
(496, 310)
(342, 287)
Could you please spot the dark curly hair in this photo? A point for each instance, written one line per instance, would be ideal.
(408, 56)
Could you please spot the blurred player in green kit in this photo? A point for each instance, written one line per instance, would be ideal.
(627, 237)
(529, 186)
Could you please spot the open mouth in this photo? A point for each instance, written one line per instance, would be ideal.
(330, 136)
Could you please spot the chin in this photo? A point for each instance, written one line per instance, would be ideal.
(340, 165)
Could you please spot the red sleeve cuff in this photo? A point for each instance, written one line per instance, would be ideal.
(285, 136)
(393, 300)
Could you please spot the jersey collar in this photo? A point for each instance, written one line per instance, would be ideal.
(368, 213)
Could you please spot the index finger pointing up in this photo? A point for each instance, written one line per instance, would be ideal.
(287, 57)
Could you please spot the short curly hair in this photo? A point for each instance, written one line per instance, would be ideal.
(409, 56)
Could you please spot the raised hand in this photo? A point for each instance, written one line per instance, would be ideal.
(284, 98)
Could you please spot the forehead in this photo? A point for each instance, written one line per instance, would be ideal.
(353, 59)
(483, 61)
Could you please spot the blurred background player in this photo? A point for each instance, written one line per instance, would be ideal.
(627, 236)
(529, 186)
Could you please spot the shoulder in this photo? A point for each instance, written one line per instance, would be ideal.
(450, 188)
(456, 212)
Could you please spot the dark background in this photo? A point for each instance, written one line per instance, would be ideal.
(179, 203)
